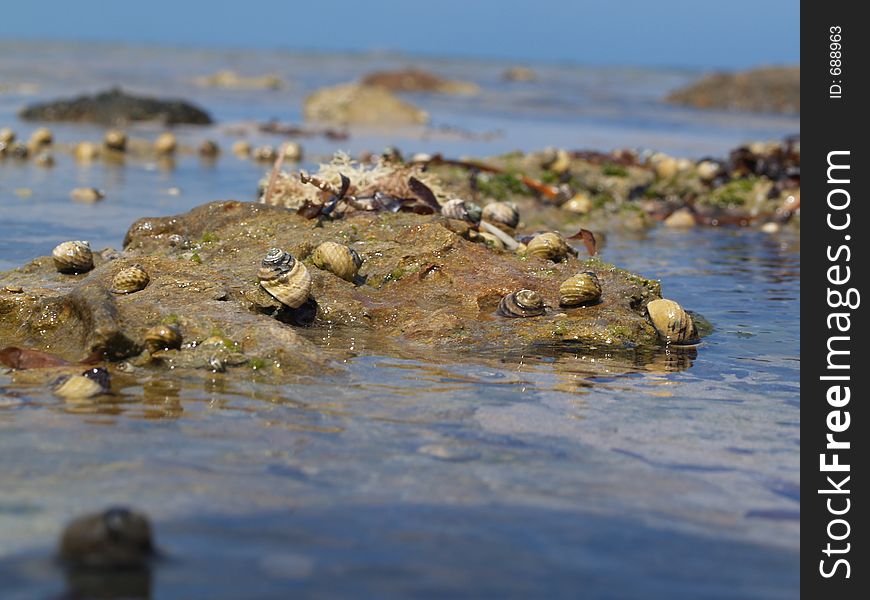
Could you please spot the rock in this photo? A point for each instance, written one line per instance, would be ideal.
(417, 80)
(117, 538)
(115, 107)
(232, 80)
(165, 144)
(768, 89)
(354, 104)
(422, 286)
(682, 218)
(88, 195)
(519, 74)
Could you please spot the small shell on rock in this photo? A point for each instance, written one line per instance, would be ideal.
(73, 257)
(293, 151)
(490, 240)
(86, 151)
(264, 153)
(524, 303)
(115, 139)
(770, 227)
(41, 137)
(87, 194)
(165, 143)
(242, 149)
(708, 170)
(502, 214)
(285, 278)
(162, 337)
(459, 209)
(92, 382)
(129, 280)
(580, 289)
(44, 159)
(580, 203)
(7, 136)
(338, 259)
(549, 246)
(209, 149)
(673, 324)
(680, 218)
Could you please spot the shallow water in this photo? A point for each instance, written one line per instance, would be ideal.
(564, 471)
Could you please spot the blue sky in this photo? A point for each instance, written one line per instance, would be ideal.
(731, 34)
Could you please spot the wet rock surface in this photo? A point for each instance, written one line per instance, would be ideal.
(771, 89)
(422, 285)
(116, 107)
(354, 104)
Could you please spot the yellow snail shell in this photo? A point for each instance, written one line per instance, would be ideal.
(580, 289)
(241, 148)
(285, 278)
(73, 257)
(338, 259)
(673, 324)
(92, 382)
(524, 303)
(115, 139)
(162, 337)
(86, 151)
(502, 214)
(165, 143)
(41, 137)
(549, 246)
(490, 240)
(7, 136)
(129, 280)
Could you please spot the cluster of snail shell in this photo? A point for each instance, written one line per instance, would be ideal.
(582, 289)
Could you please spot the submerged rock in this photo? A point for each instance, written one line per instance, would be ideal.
(421, 285)
(117, 538)
(354, 104)
(417, 80)
(115, 107)
(769, 89)
(232, 80)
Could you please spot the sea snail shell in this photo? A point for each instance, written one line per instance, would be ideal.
(549, 246)
(73, 257)
(501, 214)
(92, 382)
(524, 303)
(162, 337)
(459, 209)
(285, 278)
(673, 324)
(129, 280)
(115, 139)
(580, 289)
(338, 259)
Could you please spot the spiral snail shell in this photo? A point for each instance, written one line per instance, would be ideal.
(501, 214)
(285, 278)
(73, 257)
(673, 324)
(162, 337)
(338, 259)
(524, 303)
(92, 382)
(129, 280)
(115, 139)
(580, 289)
(459, 209)
(549, 246)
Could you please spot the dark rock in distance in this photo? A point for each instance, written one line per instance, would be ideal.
(115, 107)
(117, 538)
(768, 89)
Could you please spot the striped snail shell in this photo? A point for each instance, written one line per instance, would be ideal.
(502, 214)
(285, 278)
(524, 303)
(580, 289)
(549, 246)
(673, 324)
(73, 257)
(162, 337)
(338, 259)
(459, 209)
(92, 382)
(115, 139)
(129, 280)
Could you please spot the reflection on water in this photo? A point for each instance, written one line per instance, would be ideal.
(638, 472)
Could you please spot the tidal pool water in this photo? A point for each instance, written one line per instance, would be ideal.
(564, 472)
